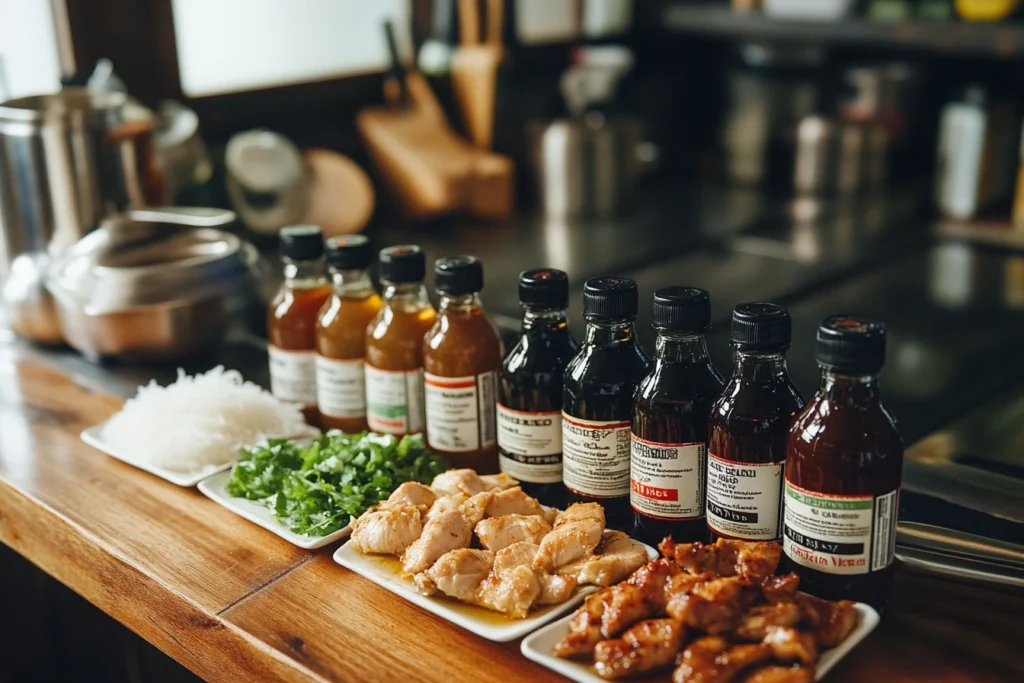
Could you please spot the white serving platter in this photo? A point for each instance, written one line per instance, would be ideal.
(540, 646)
(216, 489)
(384, 571)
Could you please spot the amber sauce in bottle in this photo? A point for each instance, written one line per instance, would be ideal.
(749, 426)
(341, 335)
(530, 388)
(461, 362)
(670, 422)
(394, 344)
(597, 400)
(843, 471)
(292, 315)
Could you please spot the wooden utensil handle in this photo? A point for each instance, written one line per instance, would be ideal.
(469, 22)
(495, 22)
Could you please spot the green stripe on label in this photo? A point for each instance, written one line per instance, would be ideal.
(384, 410)
(829, 503)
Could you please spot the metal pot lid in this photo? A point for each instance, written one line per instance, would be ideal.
(128, 264)
(59, 104)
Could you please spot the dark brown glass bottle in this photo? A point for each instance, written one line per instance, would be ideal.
(670, 422)
(530, 388)
(844, 465)
(749, 425)
(597, 400)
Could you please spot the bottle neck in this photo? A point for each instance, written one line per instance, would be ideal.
(460, 303)
(408, 296)
(352, 284)
(847, 389)
(759, 367)
(544, 320)
(603, 332)
(299, 274)
(680, 347)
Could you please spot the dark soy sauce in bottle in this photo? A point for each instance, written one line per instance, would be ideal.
(749, 425)
(670, 421)
(597, 400)
(530, 388)
(844, 466)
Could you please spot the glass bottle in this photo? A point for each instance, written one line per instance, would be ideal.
(749, 425)
(530, 388)
(844, 464)
(670, 422)
(394, 344)
(291, 318)
(341, 335)
(461, 361)
(597, 400)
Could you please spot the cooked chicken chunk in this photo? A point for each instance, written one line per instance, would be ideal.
(709, 662)
(496, 533)
(413, 493)
(387, 529)
(754, 624)
(584, 627)
(780, 588)
(446, 530)
(791, 645)
(642, 596)
(511, 591)
(830, 622)
(576, 533)
(498, 482)
(458, 574)
(725, 557)
(615, 558)
(713, 606)
(553, 589)
(649, 645)
(513, 502)
(580, 511)
(779, 674)
(515, 555)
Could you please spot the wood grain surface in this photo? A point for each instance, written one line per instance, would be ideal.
(233, 602)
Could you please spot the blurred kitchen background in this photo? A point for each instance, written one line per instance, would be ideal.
(858, 156)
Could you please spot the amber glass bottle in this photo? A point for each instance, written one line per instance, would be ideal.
(844, 465)
(597, 400)
(341, 335)
(530, 387)
(461, 362)
(394, 344)
(749, 425)
(670, 421)
(291, 318)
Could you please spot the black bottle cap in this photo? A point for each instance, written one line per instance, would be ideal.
(610, 297)
(544, 288)
(301, 242)
(682, 309)
(402, 264)
(761, 325)
(349, 252)
(458, 275)
(849, 343)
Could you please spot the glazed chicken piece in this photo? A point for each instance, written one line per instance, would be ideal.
(584, 627)
(751, 559)
(447, 529)
(711, 660)
(615, 558)
(553, 589)
(791, 645)
(513, 502)
(649, 645)
(830, 622)
(496, 533)
(774, 673)
(754, 624)
(468, 483)
(713, 606)
(576, 533)
(413, 493)
(387, 529)
(777, 589)
(458, 574)
(642, 596)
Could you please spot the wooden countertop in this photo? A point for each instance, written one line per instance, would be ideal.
(232, 602)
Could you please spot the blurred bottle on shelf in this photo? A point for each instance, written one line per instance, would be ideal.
(986, 10)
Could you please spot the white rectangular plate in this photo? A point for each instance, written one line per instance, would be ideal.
(94, 437)
(540, 647)
(384, 571)
(216, 489)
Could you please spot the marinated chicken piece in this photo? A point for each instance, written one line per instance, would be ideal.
(580, 511)
(615, 558)
(458, 574)
(713, 606)
(705, 665)
(754, 624)
(511, 591)
(568, 543)
(513, 502)
(725, 557)
(387, 529)
(780, 588)
(445, 504)
(515, 555)
(791, 645)
(584, 627)
(830, 622)
(553, 589)
(496, 533)
(642, 596)
(468, 483)
(413, 493)
(774, 673)
(498, 482)
(649, 645)
(655, 575)
(446, 530)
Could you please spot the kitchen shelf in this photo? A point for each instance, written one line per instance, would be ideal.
(1001, 41)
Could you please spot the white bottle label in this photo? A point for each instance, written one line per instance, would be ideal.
(340, 387)
(667, 479)
(460, 412)
(839, 534)
(744, 499)
(595, 457)
(530, 445)
(293, 375)
(394, 400)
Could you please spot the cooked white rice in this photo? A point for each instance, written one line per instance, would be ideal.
(201, 421)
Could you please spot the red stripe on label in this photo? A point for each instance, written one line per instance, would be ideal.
(450, 385)
(653, 492)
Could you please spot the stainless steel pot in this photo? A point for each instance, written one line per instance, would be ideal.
(153, 285)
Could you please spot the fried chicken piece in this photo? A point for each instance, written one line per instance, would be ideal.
(580, 511)
(774, 673)
(754, 624)
(446, 530)
(468, 483)
(576, 533)
(752, 559)
(510, 591)
(386, 529)
(780, 588)
(649, 645)
(553, 589)
(496, 533)
(791, 645)
(830, 622)
(615, 558)
(513, 501)
(458, 574)
(413, 493)
(584, 627)
(713, 606)
(711, 662)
